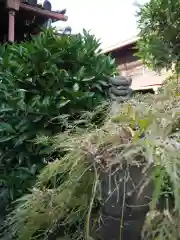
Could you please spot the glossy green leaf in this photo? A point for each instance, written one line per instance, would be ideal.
(6, 127)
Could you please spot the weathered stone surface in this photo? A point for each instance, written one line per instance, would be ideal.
(124, 201)
(119, 89)
(110, 229)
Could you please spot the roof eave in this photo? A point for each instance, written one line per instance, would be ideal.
(42, 12)
(120, 45)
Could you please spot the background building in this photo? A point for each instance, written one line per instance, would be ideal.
(131, 65)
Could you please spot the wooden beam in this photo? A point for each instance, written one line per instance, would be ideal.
(42, 12)
(13, 4)
(130, 65)
(11, 26)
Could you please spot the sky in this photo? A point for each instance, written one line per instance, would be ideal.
(111, 21)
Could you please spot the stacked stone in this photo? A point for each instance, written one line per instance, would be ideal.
(120, 90)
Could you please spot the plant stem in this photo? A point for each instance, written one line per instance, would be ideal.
(87, 227)
(123, 205)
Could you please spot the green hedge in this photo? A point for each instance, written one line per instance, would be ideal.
(44, 85)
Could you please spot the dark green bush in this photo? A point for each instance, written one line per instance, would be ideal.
(158, 24)
(44, 84)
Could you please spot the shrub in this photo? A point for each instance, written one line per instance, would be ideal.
(67, 190)
(44, 85)
(159, 34)
(71, 186)
(170, 86)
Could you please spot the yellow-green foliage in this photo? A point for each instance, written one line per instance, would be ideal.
(171, 85)
(68, 189)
